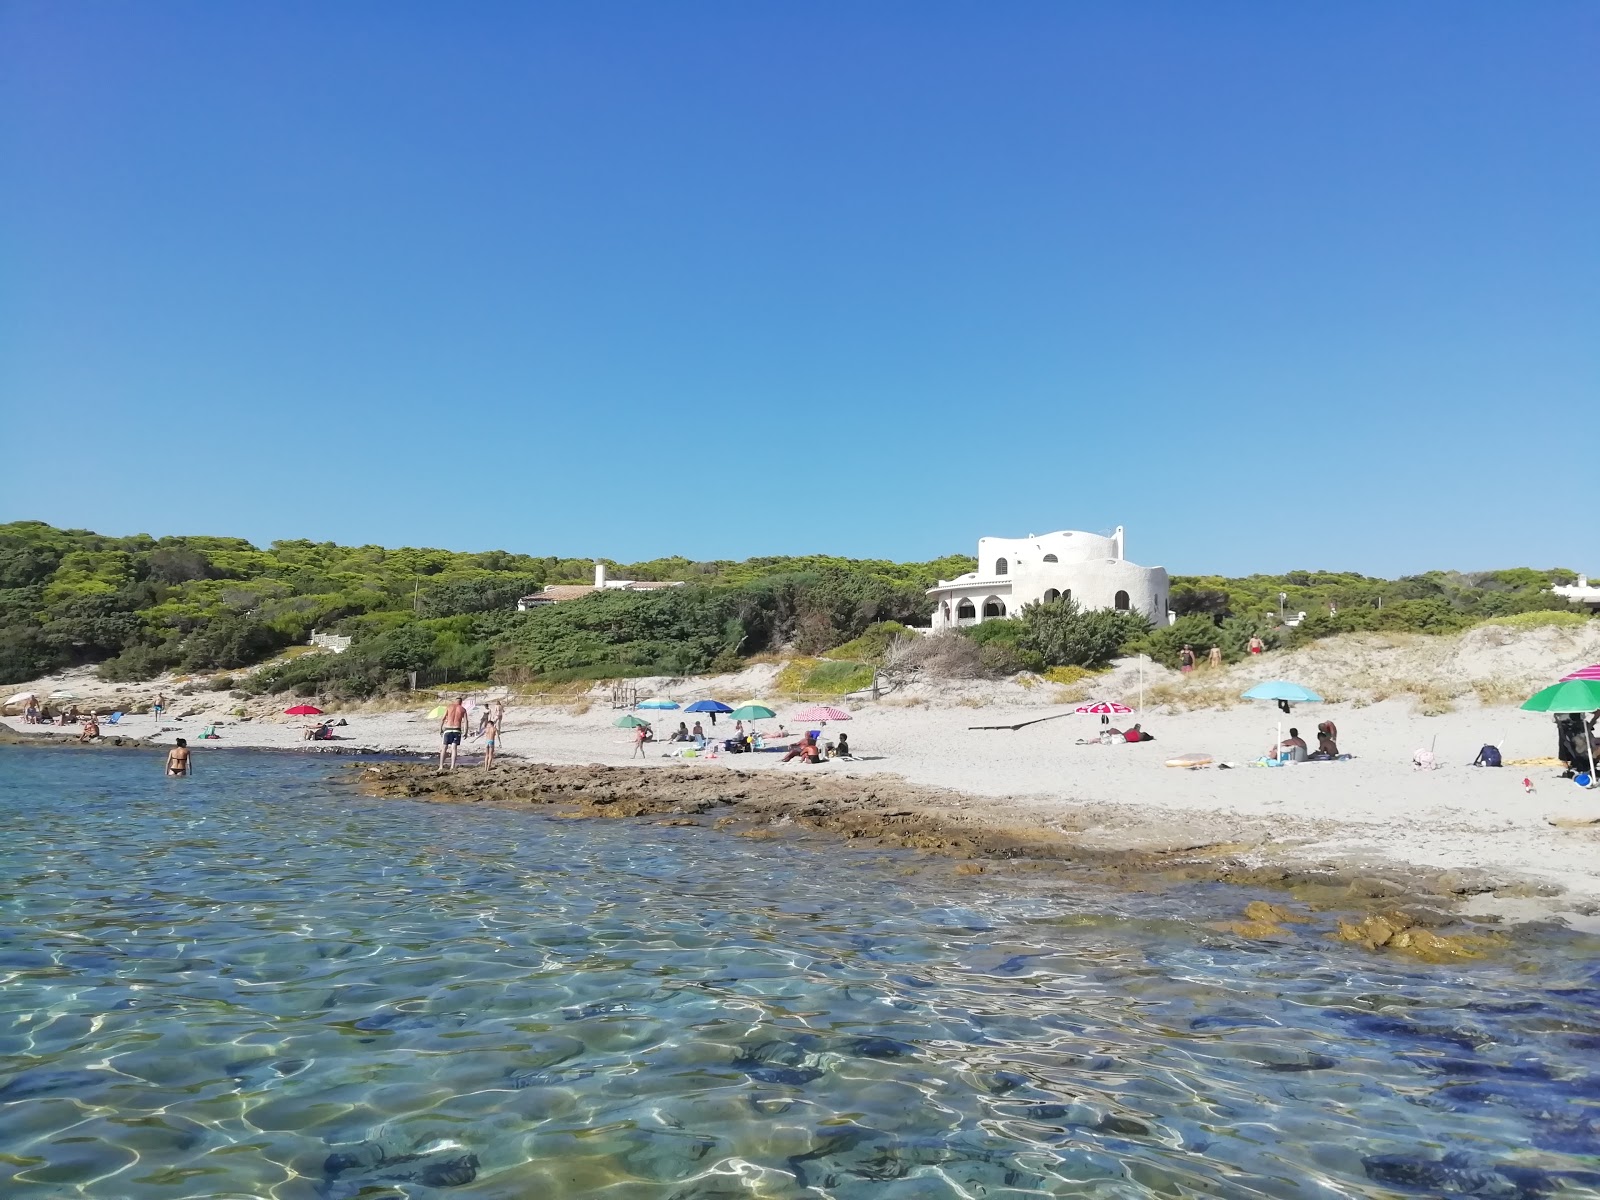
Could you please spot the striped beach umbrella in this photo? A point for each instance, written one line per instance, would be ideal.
(1103, 707)
(821, 712)
(1589, 672)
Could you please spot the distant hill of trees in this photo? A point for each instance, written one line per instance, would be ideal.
(138, 606)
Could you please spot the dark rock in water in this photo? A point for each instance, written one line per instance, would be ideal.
(1311, 1062)
(1015, 964)
(882, 1047)
(1125, 1126)
(450, 1173)
(1230, 1018)
(791, 1053)
(527, 1079)
(1375, 1025)
(358, 1170)
(46, 1082)
(1477, 1068)
(1459, 1175)
(579, 1012)
(998, 1083)
(792, 1076)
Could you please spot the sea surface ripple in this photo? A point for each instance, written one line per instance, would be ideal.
(258, 983)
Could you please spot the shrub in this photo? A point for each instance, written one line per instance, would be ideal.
(1165, 643)
(873, 644)
(1061, 634)
(823, 677)
(1537, 620)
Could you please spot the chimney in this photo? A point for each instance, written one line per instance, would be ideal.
(599, 573)
(1117, 536)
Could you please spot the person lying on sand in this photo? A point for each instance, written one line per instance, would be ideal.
(805, 750)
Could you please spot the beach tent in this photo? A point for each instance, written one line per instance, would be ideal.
(1281, 690)
(1569, 696)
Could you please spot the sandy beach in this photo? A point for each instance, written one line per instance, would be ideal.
(1373, 812)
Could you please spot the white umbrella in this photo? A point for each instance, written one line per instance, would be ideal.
(63, 695)
(22, 698)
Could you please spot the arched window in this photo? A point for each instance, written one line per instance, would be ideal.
(1051, 595)
(965, 611)
(994, 607)
(1001, 567)
(1121, 601)
(1051, 558)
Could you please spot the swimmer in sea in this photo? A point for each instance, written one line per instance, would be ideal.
(178, 759)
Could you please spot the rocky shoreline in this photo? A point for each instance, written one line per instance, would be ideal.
(1393, 907)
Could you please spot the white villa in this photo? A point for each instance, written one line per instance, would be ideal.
(1085, 567)
(556, 593)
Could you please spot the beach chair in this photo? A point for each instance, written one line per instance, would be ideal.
(113, 718)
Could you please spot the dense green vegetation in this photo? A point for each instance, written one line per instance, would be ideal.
(138, 606)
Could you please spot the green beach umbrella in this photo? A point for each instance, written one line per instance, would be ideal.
(751, 712)
(435, 713)
(1569, 696)
(629, 721)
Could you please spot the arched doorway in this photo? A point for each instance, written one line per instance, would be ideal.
(993, 607)
(1051, 595)
(965, 611)
(1121, 602)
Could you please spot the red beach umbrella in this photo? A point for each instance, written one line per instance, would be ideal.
(821, 712)
(1589, 672)
(303, 710)
(1102, 707)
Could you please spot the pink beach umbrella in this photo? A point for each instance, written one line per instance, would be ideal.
(1589, 672)
(821, 712)
(1103, 708)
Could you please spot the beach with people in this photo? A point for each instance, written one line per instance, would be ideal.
(1017, 754)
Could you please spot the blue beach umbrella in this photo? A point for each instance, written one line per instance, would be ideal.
(708, 706)
(1281, 689)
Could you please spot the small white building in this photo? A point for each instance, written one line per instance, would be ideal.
(1582, 592)
(1069, 564)
(556, 593)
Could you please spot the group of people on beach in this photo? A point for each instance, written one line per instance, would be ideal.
(1187, 659)
(455, 727)
(1294, 749)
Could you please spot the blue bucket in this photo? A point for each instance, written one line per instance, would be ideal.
(1581, 780)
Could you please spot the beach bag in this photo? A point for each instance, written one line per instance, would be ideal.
(1489, 756)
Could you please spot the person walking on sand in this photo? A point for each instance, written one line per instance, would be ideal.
(178, 759)
(451, 728)
(1256, 644)
(159, 707)
(490, 732)
(1214, 657)
(1186, 658)
(641, 734)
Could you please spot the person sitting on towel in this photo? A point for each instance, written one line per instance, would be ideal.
(1294, 744)
(1135, 735)
(1325, 743)
(805, 750)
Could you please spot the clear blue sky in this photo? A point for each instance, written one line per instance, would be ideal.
(1272, 285)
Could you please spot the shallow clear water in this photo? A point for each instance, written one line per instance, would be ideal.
(256, 983)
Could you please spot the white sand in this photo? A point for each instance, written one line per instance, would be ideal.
(1373, 810)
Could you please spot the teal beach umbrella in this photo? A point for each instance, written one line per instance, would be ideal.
(1569, 696)
(629, 721)
(752, 712)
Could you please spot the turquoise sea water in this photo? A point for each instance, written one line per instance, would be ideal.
(256, 983)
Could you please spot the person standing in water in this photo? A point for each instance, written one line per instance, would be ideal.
(451, 728)
(178, 759)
